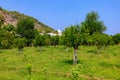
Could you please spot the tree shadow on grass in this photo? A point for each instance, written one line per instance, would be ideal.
(40, 50)
(70, 62)
(92, 51)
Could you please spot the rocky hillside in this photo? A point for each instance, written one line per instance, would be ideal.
(12, 17)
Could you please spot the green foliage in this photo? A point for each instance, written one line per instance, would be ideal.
(89, 40)
(39, 41)
(20, 43)
(76, 72)
(71, 36)
(23, 25)
(48, 40)
(55, 40)
(116, 38)
(9, 27)
(29, 69)
(1, 20)
(6, 39)
(101, 40)
(92, 24)
(25, 28)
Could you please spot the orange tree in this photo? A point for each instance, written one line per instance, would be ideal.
(72, 37)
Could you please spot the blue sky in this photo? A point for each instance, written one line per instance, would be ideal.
(59, 14)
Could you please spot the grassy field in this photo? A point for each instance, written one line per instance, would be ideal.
(55, 64)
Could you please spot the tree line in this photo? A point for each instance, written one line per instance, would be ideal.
(89, 32)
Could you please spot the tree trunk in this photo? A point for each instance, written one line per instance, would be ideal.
(66, 49)
(40, 48)
(75, 56)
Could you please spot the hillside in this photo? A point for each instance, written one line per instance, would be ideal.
(12, 17)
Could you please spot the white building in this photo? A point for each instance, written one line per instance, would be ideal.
(53, 34)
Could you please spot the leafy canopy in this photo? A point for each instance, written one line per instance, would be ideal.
(39, 40)
(116, 38)
(25, 28)
(6, 39)
(92, 24)
(71, 36)
(20, 43)
(101, 40)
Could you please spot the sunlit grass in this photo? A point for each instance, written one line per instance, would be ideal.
(55, 63)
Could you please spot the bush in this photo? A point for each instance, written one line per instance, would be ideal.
(116, 38)
(6, 39)
(76, 72)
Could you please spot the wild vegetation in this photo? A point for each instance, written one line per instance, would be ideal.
(28, 54)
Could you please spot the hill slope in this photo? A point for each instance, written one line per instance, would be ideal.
(12, 17)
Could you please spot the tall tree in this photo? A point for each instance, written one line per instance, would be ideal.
(25, 28)
(71, 37)
(92, 24)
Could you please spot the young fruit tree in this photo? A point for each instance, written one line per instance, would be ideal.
(71, 37)
(55, 40)
(39, 41)
(20, 44)
(101, 40)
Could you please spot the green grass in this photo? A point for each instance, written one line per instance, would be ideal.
(56, 64)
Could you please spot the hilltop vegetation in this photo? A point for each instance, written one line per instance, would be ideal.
(12, 17)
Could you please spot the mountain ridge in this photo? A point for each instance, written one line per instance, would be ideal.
(12, 17)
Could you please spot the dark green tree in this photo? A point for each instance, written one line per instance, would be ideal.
(25, 28)
(116, 38)
(55, 40)
(92, 24)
